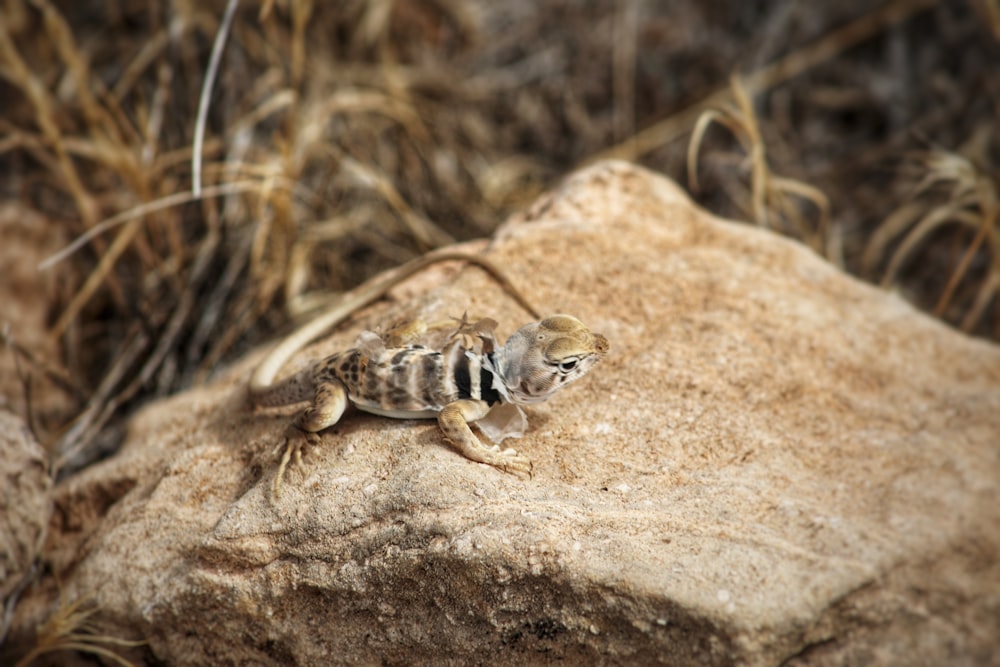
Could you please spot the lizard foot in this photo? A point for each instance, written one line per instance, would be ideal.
(508, 460)
(293, 445)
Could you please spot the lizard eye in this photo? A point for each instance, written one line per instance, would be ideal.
(568, 365)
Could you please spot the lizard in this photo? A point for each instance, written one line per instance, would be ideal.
(461, 383)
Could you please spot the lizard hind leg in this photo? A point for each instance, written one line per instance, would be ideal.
(328, 405)
(454, 421)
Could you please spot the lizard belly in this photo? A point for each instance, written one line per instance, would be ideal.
(397, 413)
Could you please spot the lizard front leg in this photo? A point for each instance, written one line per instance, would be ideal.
(329, 404)
(454, 421)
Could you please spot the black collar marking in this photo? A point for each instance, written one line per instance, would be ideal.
(486, 390)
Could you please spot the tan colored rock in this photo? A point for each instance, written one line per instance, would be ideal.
(25, 508)
(774, 462)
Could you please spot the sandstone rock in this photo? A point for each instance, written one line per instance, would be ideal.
(25, 505)
(775, 462)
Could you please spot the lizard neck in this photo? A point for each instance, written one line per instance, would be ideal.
(491, 382)
(491, 386)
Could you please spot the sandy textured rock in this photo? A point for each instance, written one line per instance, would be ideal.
(25, 505)
(774, 462)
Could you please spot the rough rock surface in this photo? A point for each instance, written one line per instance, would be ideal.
(775, 463)
(25, 506)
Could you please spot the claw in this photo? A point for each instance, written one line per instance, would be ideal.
(293, 446)
(513, 463)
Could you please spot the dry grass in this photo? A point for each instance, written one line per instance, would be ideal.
(71, 627)
(216, 177)
(771, 201)
(954, 189)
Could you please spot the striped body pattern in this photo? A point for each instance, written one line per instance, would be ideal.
(411, 381)
(470, 380)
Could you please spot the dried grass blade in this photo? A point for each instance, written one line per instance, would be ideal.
(169, 201)
(697, 136)
(963, 265)
(18, 73)
(940, 215)
(423, 230)
(986, 292)
(206, 95)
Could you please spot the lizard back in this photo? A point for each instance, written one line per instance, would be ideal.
(411, 381)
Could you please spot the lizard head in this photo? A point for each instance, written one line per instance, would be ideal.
(541, 358)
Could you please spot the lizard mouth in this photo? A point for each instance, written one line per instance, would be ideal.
(523, 394)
